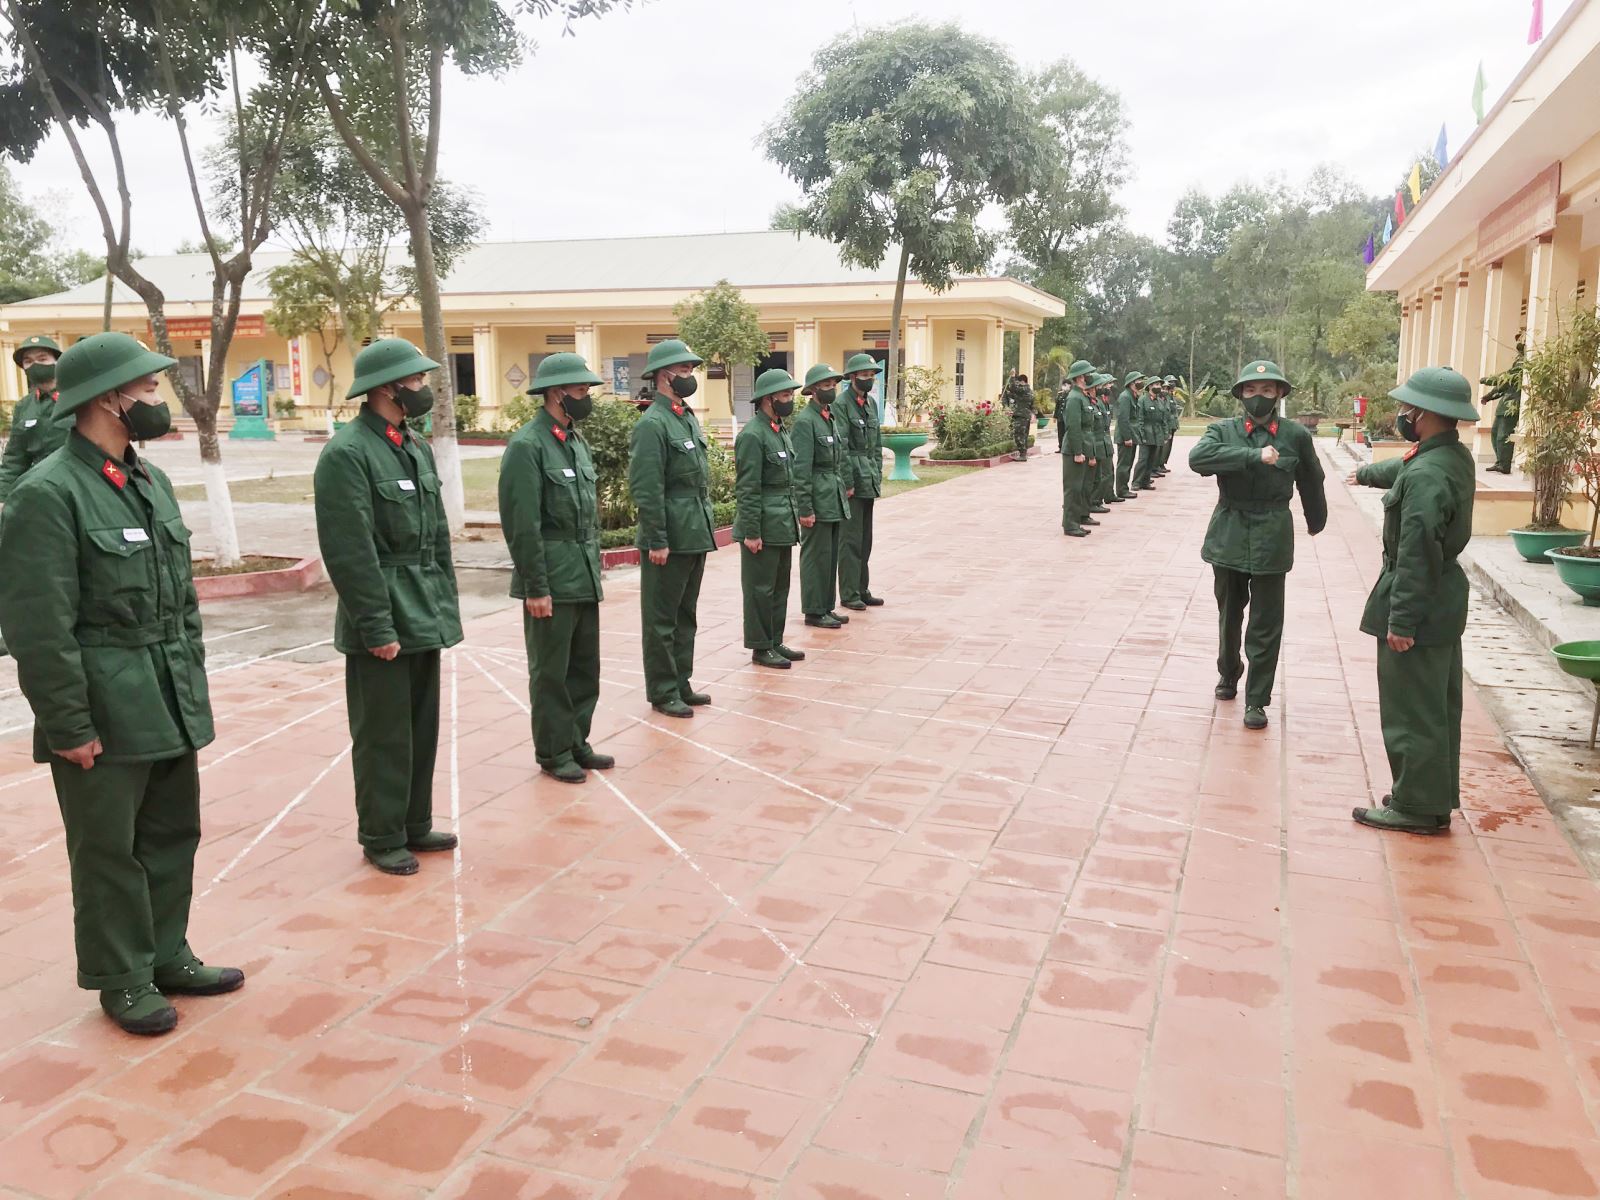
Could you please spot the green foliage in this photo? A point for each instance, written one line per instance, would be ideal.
(467, 409)
(722, 471)
(923, 389)
(969, 431)
(722, 326)
(31, 261)
(1561, 414)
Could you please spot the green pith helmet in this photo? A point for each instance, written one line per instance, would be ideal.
(101, 364)
(1082, 367)
(562, 370)
(1438, 390)
(36, 341)
(1261, 369)
(862, 362)
(1170, 380)
(387, 360)
(1131, 378)
(769, 383)
(669, 354)
(820, 373)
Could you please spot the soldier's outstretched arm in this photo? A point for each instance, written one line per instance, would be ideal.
(1212, 456)
(1380, 474)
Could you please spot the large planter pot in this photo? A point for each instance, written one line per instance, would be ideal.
(1582, 660)
(1044, 420)
(1310, 420)
(1582, 575)
(1532, 543)
(903, 444)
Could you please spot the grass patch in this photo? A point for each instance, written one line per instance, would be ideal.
(927, 475)
(206, 568)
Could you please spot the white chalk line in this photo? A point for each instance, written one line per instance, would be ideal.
(222, 637)
(278, 820)
(455, 879)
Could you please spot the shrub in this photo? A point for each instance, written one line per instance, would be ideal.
(467, 410)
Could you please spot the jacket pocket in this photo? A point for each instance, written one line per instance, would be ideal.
(119, 561)
(398, 512)
(560, 499)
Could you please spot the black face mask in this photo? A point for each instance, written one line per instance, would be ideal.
(146, 422)
(826, 396)
(415, 402)
(577, 407)
(39, 373)
(1260, 407)
(783, 409)
(1406, 426)
(864, 386)
(683, 386)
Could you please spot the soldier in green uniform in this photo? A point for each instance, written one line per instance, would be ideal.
(1505, 392)
(549, 512)
(1418, 607)
(1169, 424)
(1125, 433)
(97, 601)
(36, 432)
(821, 495)
(669, 474)
(1258, 462)
(386, 546)
(1145, 421)
(1020, 397)
(863, 475)
(1078, 441)
(1105, 464)
(765, 522)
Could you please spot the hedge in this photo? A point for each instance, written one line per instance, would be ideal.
(611, 539)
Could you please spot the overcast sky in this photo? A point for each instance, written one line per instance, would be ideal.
(647, 122)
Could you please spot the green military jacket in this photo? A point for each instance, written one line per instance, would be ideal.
(35, 435)
(820, 463)
(669, 475)
(1427, 521)
(385, 540)
(1174, 416)
(550, 513)
(763, 458)
(863, 444)
(1075, 423)
(1127, 407)
(1106, 418)
(98, 607)
(1251, 529)
(1138, 416)
(1020, 398)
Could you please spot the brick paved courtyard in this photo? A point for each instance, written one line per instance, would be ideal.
(986, 899)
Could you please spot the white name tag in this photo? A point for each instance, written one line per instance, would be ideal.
(135, 535)
(783, 454)
(689, 445)
(406, 485)
(830, 441)
(30, 422)
(569, 472)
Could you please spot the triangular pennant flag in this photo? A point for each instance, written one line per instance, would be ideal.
(1368, 252)
(1441, 150)
(1536, 26)
(1388, 228)
(1399, 210)
(1415, 183)
(1478, 88)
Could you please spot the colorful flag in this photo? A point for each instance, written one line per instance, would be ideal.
(1477, 93)
(1369, 251)
(1536, 27)
(1388, 227)
(1399, 210)
(1415, 183)
(1441, 150)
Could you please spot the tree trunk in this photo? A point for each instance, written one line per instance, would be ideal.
(105, 316)
(446, 452)
(892, 387)
(219, 501)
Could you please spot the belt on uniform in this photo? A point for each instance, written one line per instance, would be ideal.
(1253, 506)
(571, 541)
(687, 491)
(413, 559)
(128, 636)
(778, 490)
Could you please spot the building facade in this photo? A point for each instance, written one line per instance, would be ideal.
(1508, 238)
(509, 304)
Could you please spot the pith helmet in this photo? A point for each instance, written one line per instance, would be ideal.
(669, 354)
(386, 361)
(101, 364)
(1438, 390)
(37, 341)
(1261, 369)
(1131, 378)
(820, 373)
(862, 362)
(771, 382)
(561, 370)
(1170, 380)
(1082, 367)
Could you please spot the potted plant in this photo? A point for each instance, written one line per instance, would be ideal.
(1557, 439)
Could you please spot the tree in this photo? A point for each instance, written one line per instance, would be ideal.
(899, 138)
(787, 216)
(30, 262)
(380, 67)
(721, 326)
(77, 62)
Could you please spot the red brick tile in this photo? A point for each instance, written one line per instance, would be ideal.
(346, 1069)
(1398, 1103)
(1226, 1110)
(653, 1060)
(959, 994)
(579, 1129)
(491, 1179)
(868, 949)
(789, 1057)
(1099, 944)
(740, 1128)
(82, 1141)
(1089, 1052)
(1091, 994)
(940, 1052)
(1166, 1168)
(236, 1147)
(1497, 1164)
(316, 1181)
(839, 999)
(625, 955)
(496, 1063)
(996, 948)
(819, 1175)
(567, 1005)
(427, 1010)
(1047, 1116)
(1335, 1164)
(699, 1001)
(416, 1137)
(655, 1177)
(898, 908)
(1040, 872)
(904, 1124)
(994, 1171)
(1104, 902)
(732, 948)
(496, 960)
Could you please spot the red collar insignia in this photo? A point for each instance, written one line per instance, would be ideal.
(561, 434)
(393, 434)
(114, 473)
(677, 408)
(1250, 427)
(1413, 452)
(861, 401)
(774, 425)
(826, 415)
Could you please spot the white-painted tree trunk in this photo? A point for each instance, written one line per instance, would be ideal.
(219, 503)
(447, 457)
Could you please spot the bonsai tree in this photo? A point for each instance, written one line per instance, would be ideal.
(1559, 416)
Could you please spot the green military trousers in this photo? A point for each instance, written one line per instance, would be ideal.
(855, 549)
(1263, 639)
(131, 831)
(819, 566)
(563, 679)
(1419, 708)
(1125, 457)
(1500, 438)
(1074, 488)
(1143, 466)
(669, 603)
(1105, 479)
(394, 724)
(764, 577)
(1021, 427)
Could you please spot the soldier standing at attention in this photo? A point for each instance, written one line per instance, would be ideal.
(550, 514)
(36, 433)
(1258, 462)
(821, 496)
(1505, 392)
(1075, 431)
(1418, 607)
(862, 471)
(765, 522)
(1105, 467)
(1125, 431)
(386, 544)
(1144, 432)
(1169, 390)
(1020, 396)
(670, 477)
(97, 601)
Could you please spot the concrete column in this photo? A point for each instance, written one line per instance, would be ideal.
(1466, 323)
(586, 342)
(486, 370)
(994, 360)
(1541, 289)
(1439, 325)
(919, 342)
(1025, 352)
(11, 381)
(1403, 367)
(806, 353)
(1502, 319)
(1565, 266)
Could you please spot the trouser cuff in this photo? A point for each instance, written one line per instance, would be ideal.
(107, 983)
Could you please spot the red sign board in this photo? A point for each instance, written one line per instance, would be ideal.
(200, 327)
(294, 368)
(1529, 214)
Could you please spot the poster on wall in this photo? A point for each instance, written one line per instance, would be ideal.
(247, 392)
(296, 370)
(621, 377)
